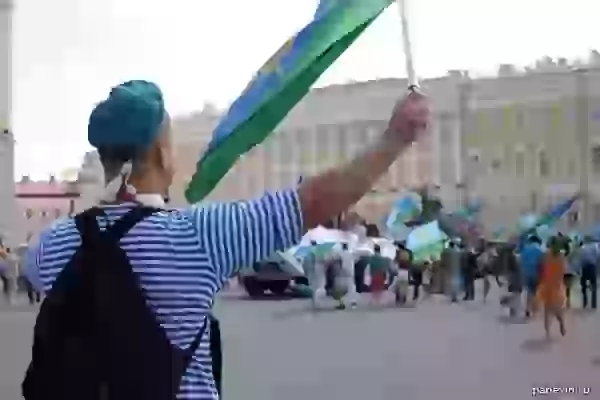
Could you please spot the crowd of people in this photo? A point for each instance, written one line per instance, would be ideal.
(533, 274)
(13, 276)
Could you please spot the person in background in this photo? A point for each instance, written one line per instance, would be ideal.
(362, 261)
(344, 284)
(469, 272)
(485, 267)
(401, 280)
(415, 272)
(427, 278)
(452, 258)
(379, 268)
(590, 256)
(551, 288)
(183, 257)
(315, 268)
(531, 261)
(30, 283)
(574, 264)
(5, 272)
(514, 277)
(564, 243)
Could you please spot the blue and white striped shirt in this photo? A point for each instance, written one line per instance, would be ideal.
(183, 258)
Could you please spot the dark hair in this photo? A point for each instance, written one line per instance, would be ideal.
(401, 250)
(313, 242)
(535, 239)
(377, 248)
(113, 158)
(344, 246)
(399, 245)
(372, 230)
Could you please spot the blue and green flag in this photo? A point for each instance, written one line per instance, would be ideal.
(280, 84)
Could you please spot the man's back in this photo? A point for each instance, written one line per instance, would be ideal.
(181, 262)
(531, 259)
(589, 254)
(165, 253)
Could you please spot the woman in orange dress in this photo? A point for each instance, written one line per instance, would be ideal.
(551, 293)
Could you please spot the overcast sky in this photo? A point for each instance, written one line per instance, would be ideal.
(68, 53)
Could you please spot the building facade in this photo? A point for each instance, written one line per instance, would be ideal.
(326, 128)
(525, 141)
(519, 142)
(42, 202)
(9, 222)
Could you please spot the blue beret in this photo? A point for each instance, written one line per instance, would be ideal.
(131, 116)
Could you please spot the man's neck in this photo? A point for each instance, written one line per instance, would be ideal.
(149, 183)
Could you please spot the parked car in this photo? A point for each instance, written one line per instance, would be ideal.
(273, 275)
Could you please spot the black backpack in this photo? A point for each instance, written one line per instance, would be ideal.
(95, 337)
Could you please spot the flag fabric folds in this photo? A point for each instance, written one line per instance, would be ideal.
(426, 242)
(406, 208)
(548, 218)
(556, 212)
(280, 84)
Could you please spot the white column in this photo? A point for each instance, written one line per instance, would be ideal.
(6, 8)
(9, 226)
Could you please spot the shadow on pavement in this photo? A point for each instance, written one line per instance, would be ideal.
(580, 312)
(242, 296)
(508, 320)
(386, 307)
(302, 311)
(361, 308)
(536, 345)
(472, 305)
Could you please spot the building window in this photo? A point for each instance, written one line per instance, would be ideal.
(544, 165)
(520, 163)
(497, 160)
(473, 162)
(596, 159)
(573, 218)
(496, 165)
(533, 201)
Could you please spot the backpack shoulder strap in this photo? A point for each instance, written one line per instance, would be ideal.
(90, 232)
(87, 226)
(196, 342)
(128, 221)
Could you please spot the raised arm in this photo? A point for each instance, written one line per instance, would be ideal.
(239, 234)
(333, 192)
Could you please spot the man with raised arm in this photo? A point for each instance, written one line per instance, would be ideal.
(182, 258)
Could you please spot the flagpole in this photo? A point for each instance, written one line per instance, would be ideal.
(408, 56)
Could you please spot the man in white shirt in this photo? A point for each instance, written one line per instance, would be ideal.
(344, 280)
(315, 267)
